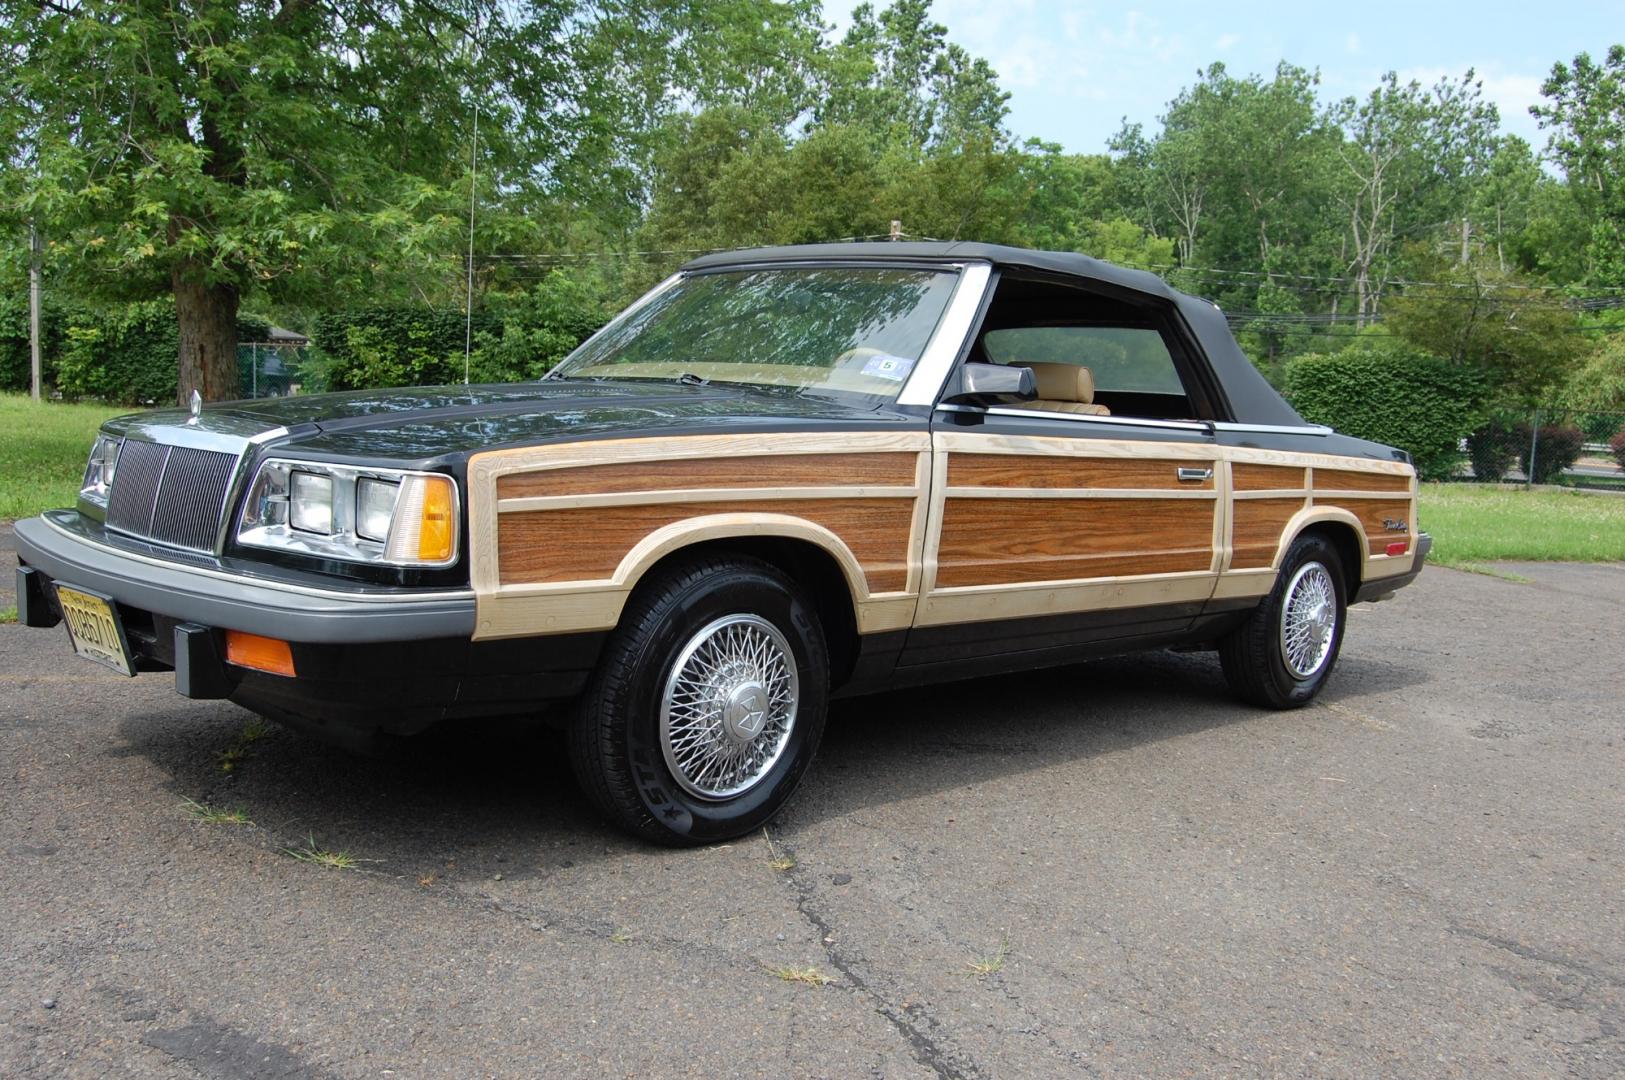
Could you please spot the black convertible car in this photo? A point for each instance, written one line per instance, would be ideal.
(782, 475)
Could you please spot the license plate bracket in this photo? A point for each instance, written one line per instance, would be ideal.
(94, 627)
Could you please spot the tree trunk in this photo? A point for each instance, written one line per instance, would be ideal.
(207, 317)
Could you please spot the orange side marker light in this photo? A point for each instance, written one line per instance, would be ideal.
(259, 653)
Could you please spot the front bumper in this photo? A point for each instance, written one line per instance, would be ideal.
(366, 660)
(66, 547)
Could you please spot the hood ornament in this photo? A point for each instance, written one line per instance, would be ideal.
(197, 407)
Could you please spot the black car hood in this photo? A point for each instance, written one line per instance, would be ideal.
(422, 424)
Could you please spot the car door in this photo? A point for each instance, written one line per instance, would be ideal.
(1058, 527)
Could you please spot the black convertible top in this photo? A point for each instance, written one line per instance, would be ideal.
(1252, 399)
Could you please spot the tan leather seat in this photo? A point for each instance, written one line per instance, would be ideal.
(1068, 388)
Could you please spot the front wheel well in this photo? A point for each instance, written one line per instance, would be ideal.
(1346, 540)
(809, 566)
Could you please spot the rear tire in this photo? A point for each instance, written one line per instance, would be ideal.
(707, 704)
(1281, 657)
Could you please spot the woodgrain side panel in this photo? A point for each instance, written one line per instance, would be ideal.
(588, 543)
(1373, 513)
(990, 542)
(1349, 480)
(1245, 477)
(777, 470)
(1051, 471)
(1257, 528)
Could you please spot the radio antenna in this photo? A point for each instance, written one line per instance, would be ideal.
(473, 199)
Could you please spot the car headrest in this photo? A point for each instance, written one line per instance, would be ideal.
(1064, 382)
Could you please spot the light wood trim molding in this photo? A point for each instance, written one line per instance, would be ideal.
(979, 603)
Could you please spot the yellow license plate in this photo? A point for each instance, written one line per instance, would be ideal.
(94, 629)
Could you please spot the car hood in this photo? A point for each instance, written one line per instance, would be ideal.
(421, 424)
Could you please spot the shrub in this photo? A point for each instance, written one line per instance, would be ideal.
(1491, 450)
(1617, 445)
(517, 336)
(1391, 394)
(1556, 448)
(129, 353)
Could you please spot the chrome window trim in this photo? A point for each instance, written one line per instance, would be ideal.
(925, 382)
(1274, 429)
(1200, 426)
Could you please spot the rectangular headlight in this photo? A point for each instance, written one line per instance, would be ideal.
(386, 516)
(310, 502)
(98, 481)
(374, 508)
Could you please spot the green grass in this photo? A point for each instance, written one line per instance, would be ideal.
(42, 452)
(215, 815)
(8, 615)
(330, 860)
(1473, 524)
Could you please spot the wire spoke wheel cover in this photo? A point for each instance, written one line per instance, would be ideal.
(1308, 620)
(729, 706)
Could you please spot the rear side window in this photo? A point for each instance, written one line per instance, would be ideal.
(1124, 359)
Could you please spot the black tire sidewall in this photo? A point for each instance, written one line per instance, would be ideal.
(677, 617)
(1291, 689)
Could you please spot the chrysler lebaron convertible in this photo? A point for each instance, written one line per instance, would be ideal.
(781, 476)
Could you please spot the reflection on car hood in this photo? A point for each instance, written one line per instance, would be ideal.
(421, 423)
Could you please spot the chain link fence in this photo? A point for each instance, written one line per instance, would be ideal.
(1548, 446)
(271, 369)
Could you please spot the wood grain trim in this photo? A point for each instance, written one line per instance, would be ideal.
(588, 543)
(1350, 480)
(1072, 473)
(1245, 476)
(985, 543)
(1257, 527)
(894, 469)
(699, 495)
(1371, 515)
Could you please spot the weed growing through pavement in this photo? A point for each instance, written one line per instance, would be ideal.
(782, 861)
(806, 976)
(332, 860)
(214, 815)
(984, 966)
(234, 755)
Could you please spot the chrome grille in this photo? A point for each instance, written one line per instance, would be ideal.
(170, 494)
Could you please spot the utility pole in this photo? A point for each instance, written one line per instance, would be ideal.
(33, 306)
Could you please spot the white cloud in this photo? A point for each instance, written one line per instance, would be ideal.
(1351, 44)
(1227, 42)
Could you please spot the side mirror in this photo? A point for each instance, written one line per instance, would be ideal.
(986, 384)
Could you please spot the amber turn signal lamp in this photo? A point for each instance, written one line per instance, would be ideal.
(439, 521)
(425, 526)
(1399, 547)
(259, 653)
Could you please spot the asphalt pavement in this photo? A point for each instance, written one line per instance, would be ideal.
(1109, 869)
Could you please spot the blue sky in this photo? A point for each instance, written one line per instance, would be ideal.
(1075, 69)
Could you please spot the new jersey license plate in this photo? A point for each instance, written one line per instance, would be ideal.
(94, 628)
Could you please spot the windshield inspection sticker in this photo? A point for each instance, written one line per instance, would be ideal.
(886, 366)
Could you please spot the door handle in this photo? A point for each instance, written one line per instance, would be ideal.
(1195, 476)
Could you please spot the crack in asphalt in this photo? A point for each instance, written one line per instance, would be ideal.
(916, 1025)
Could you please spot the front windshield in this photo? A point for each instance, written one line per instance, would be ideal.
(831, 330)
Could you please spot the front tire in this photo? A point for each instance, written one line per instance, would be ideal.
(707, 704)
(1281, 657)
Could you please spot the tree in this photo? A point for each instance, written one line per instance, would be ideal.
(214, 149)
(1409, 156)
(1523, 339)
(1586, 117)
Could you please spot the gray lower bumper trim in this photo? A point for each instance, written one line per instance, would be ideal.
(237, 603)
